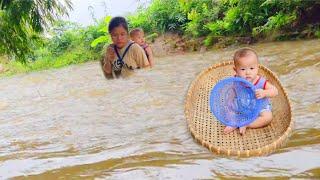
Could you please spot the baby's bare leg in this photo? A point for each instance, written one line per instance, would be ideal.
(263, 120)
(229, 129)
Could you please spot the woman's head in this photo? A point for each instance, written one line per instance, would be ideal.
(118, 30)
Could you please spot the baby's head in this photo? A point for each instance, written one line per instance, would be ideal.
(137, 35)
(246, 64)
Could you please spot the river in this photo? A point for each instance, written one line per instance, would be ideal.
(73, 123)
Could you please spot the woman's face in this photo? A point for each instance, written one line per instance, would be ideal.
(119, 36)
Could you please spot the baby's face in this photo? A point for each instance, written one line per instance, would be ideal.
(138, 38)
(247, 67)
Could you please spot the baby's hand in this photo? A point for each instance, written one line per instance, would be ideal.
(260, 93)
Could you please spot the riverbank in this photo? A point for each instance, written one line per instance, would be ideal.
(168, 44)
(172, 44)
(10, 68)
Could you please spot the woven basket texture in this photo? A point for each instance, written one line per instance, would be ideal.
(208, 131)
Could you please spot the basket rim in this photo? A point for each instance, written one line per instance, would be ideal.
(267, 149)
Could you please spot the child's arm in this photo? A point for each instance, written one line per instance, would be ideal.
(269, 91)
(150, 56)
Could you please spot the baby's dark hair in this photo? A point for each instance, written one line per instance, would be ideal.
(116, 22)
(243, 52)
(134, 31)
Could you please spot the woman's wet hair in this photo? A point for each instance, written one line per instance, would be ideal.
(116, 22)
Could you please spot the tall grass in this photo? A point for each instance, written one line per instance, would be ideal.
(68, 43)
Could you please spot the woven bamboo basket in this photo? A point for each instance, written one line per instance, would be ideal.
(208, 131)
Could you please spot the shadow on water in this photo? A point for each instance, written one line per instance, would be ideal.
(129, 163)
(304, 137)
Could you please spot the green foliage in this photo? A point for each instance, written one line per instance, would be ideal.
(65, 35)
(152, 37)
(160, 16)
(217, 28)
(76, 56)
(103, 38)
(21, 21)
(21, 24)
(317, 33)
(166, 15)
(209, 40)
(141, 19)
(239, 18)
(68, 43)
(275, 23)
(222, 18)
(199, 13)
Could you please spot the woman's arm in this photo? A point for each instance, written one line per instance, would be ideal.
(108, 59)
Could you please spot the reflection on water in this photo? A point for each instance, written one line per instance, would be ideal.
(73, 123)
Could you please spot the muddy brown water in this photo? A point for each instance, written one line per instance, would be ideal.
(72, 123)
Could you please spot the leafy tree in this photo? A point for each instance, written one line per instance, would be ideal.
(160, 16)
(104, 37)
(21, 21)
(199, 13)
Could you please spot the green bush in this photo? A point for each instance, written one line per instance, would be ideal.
(103, 36)
(214, 19)
(317, 33)
(161, 16)
(199, 13)
(141, 19)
